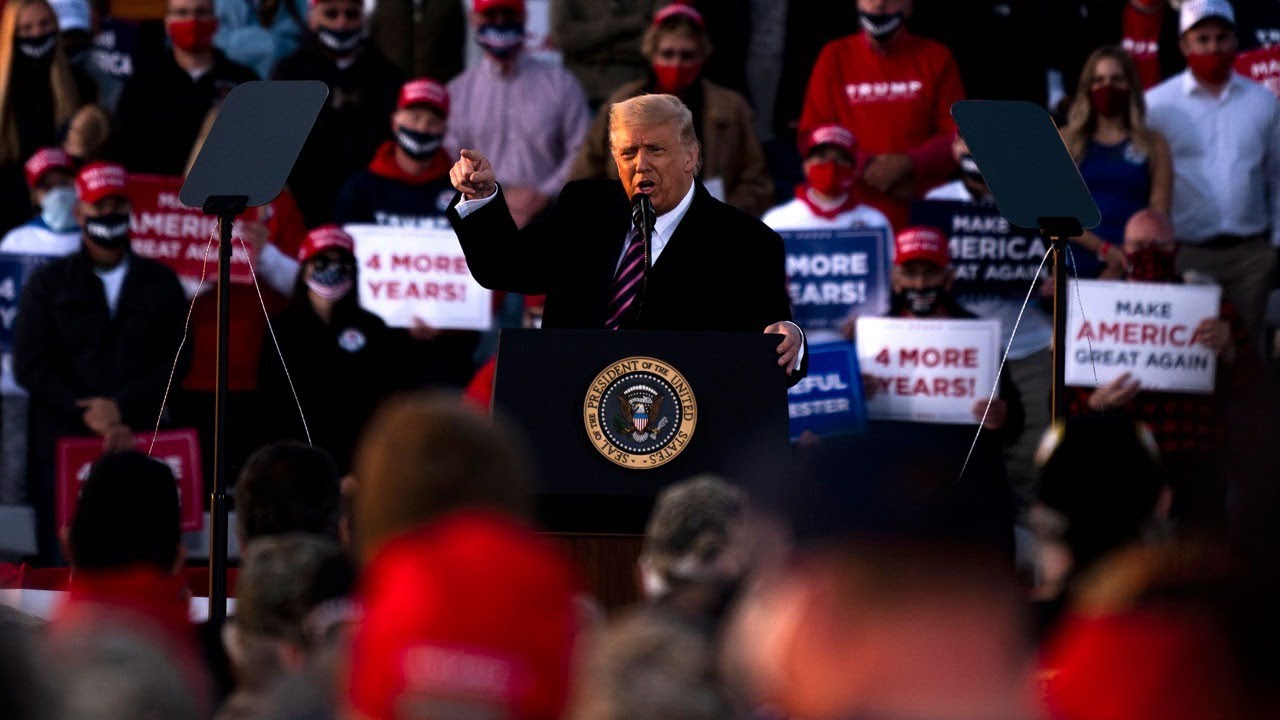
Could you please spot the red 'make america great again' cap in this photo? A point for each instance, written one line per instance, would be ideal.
(921, 243)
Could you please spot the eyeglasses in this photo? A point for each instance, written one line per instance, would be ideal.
(669, 55)
(351, 14)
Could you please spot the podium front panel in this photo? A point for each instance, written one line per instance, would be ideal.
(612, 417)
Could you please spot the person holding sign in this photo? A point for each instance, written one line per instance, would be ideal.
(407, 185)
(1188, 427)
(340, 358)
(709, 267)
(826, 199)
(921, 282)
(96, 336)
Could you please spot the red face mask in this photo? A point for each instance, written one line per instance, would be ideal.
(1110, 100)
(194, 35)
(831, 178)
(673, 79)
(1211, 68)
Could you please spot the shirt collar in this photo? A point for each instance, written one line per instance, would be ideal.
(1191, 86)
(665, 224)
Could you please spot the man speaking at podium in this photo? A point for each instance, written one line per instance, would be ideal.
(707, 266)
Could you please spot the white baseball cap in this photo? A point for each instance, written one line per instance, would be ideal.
(71, 14)
(1195, 11)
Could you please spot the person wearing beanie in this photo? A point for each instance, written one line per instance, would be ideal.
(340, 358)
(530, 115)
(97, 336)
(363, 87)
(678, 47)
(165, 103)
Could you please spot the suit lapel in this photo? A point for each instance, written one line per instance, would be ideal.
(688, 227)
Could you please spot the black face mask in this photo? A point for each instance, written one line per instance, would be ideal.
(921, 303)
(881, 26)
(339, 42)
(418, 145)
(38, 49)
(110, 232)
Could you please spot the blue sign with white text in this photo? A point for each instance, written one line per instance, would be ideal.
(992, 258)
(837, 273)
(14, 271)
(829, 401)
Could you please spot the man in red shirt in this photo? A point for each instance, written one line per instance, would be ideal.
(894, 90)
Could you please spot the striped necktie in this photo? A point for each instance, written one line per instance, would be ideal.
(628, 283)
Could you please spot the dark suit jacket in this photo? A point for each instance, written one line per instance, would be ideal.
(722, 270)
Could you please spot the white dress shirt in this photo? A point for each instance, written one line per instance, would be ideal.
(1226, 156)
(664, 226)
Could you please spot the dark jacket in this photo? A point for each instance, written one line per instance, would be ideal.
(341, 371)
(601, 41)
(424, 38)
(67, 347)
(162, 109)
(723, 270)
(351, 126)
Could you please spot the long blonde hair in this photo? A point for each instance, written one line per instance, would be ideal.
(61, 82)
(1081, 119)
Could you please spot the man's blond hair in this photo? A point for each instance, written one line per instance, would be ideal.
(651, 110)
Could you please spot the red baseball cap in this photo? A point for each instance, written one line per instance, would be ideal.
(681, 9)
(44, 160)
(326, 237)
(100, 180)
(471, 609)
(837, 135)
(486, 5)
(921, 243)
(424, 91)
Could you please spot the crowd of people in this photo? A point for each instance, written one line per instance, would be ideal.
(1118, 565)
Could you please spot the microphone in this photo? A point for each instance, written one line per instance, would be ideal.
(642, 214)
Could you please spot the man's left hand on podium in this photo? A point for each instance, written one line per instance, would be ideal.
(789, 348)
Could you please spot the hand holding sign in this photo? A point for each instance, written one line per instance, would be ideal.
(1114, 394)
(473, 175)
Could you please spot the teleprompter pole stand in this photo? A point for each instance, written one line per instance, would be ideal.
(1059, 231)
(226, 207)
(243, 163)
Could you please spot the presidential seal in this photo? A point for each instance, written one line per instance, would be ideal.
(640, 413)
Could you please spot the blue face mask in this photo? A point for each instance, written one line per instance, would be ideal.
(501, 40)
(57, 209)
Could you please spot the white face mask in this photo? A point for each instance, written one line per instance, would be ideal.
(57, 209)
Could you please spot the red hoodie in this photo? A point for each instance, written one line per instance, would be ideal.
(896, 100)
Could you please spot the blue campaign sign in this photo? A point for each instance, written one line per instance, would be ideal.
(829, 399)
(835, 273)
(992, 258)
(14, 270)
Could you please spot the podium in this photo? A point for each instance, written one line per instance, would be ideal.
(612, 417)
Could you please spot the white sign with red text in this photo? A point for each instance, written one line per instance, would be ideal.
(1146, 329)
(931, 371)
(408, 273)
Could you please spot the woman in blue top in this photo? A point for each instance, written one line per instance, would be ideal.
(1125, 163)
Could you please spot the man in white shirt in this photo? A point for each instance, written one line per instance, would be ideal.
(1224, 133)
(825, 201)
